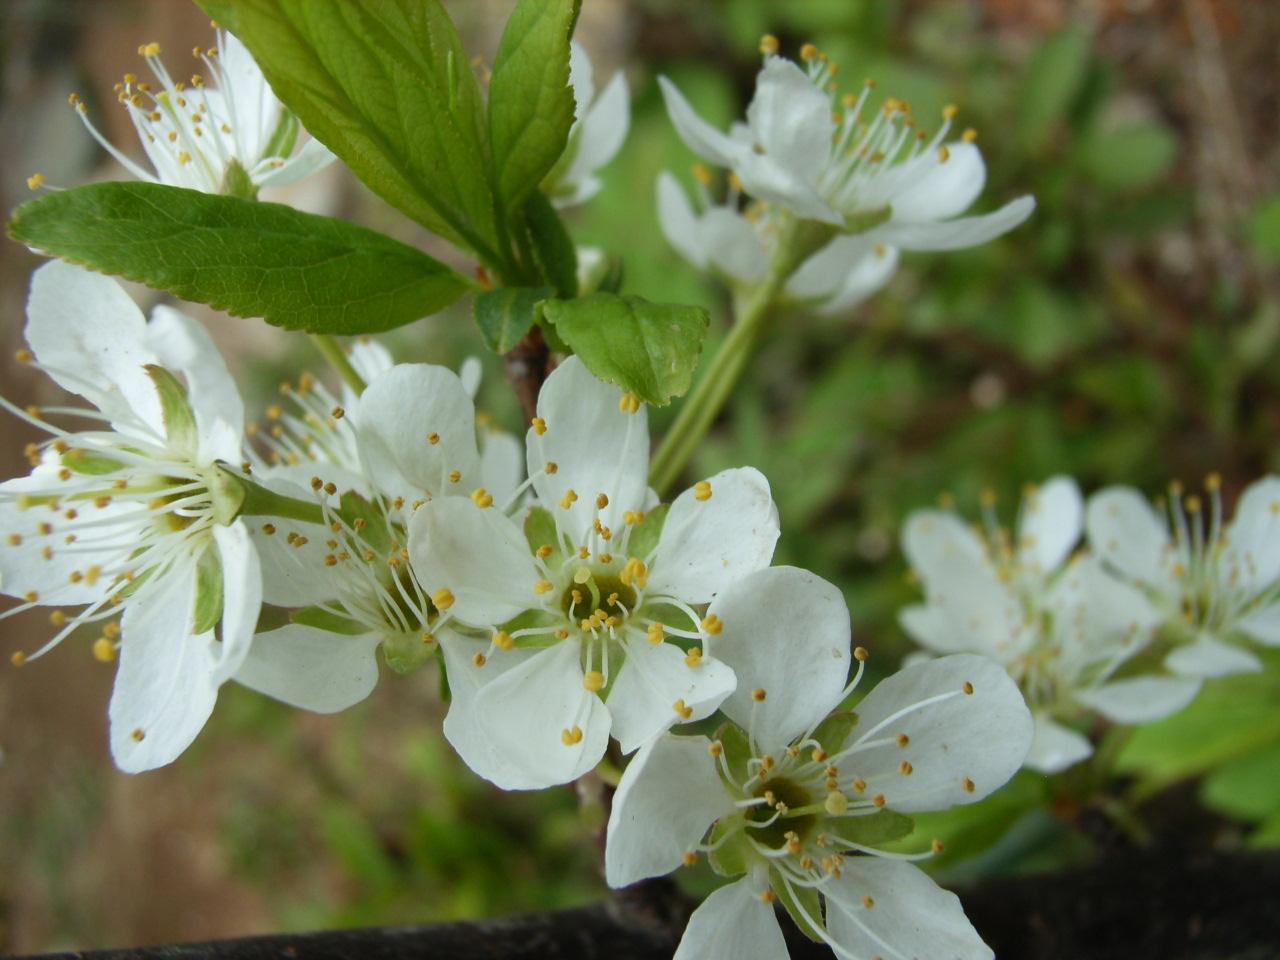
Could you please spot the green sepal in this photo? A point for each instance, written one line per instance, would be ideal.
(327, 620)
(730, 858)
(834, 731)
(227, 494)
(865, 220)
(874, 830)
(179, 419)
(505, 315)
(352, 507)
(539, 529)
(284, 137)
(644, 536)
(442, 678)
(89, 463)
(793, 897)
(236, 182)
(405, 652)
(649, 349)
(737, 750)
(207, 609)
(534, 618)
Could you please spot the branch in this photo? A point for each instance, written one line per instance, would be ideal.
(527, 365)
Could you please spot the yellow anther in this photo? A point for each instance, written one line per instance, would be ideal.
(769, 45)
(712, 624)
(967, 687)
(702, 174)
(138, 735)
(818, 755)
(949, 111)
(550, 467)
(969, 135)
(539, 425)
(1193, 504)
(654, 633)
(544, 551)
(433, 438)
(583, 554)
(104, 651)
(593, 680)
(337, 413)
(35, 181)
(735, 182)
(836, 803)
(878, 800)
(184, 158)
(442, 598)
(808, 51)
(502, 640)
(569, 499)
(479, 659)
(937, 846)
(767, 762)
(860, 654)
(454, 476)
(694, 657)
(968, 785)
(428, 639)
(605, 558)
(58, 618)
(17, 658)
(943, 153)
(758, 694)
(715, 748)
(702, 491)
(680, 708)
(481, 498)
(868, 902)
(149, 49)
(633, 517)
(543, 586)
(570, 736)
(629, 403)
(768, 897)
(859, 785)
(602, 501)
(689, 858)
(905, 768)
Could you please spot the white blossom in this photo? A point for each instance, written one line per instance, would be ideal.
(130, 519)
(825, 159)
(598, 607)
(1066, 630)
(597, 133)
(798, 801)
(1216, 587)
(201, 133)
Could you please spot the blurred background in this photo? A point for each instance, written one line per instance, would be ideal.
(1128, 333)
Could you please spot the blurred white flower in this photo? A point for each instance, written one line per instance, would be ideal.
(130, 519)
(1215, 587)
(596, 135)
(223, 131)
(1063, 629)
(798, 801)
(596, 594)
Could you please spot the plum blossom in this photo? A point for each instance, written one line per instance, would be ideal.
(222, 126)
(1065, 629)
(1216, 587)
(798, 801)
(596, 135)
(132, 520)
(595, 599)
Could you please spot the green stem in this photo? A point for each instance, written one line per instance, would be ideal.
(261, 502)
(332, 351)
(703, 405)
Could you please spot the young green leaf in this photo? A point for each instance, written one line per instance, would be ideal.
(294, 269)
(530, 101)
(386, 86)
(650, 349)
(553, 249)
(505, 315)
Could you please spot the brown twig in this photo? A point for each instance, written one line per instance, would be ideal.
(528, 364)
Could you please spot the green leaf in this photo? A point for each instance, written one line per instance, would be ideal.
(798, 901)
(295, 270)
(1248, 788)
(175, 409)
(1131, 158)
(553, 249)
(386, 86)
(505, 315)
(1264, 229)
(531, 104)
(649, 349)
(208, 603)
(1053, 79)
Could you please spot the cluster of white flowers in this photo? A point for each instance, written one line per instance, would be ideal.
(1127, 628)
(876, 181)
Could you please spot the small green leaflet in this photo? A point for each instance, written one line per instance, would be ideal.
(295, 270)
(530, 101)
(649, 349)
(505, 315)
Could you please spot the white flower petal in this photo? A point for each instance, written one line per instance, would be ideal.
(1140, 699)
(312, 158)
(982, 612)
(785, 631)
(92, 340)
(1098, 618)
(866, 278)
(732, 245)
(241, 596)
(768, 179)
(1052, 518)
(930, 538)
(527, 711)
(961, 747)
(1263, 624)
(732, 924)
(604, 128)
(183, 346)
(930, 627)
(956, 234)
(938, 189)
(253, 109)
(706, 545)
(581, 79)
(791, 119)
(1208, 658)
(597, 448)
(480, 556)
(1251, 560)
(1055, 747)
(399, 415)
(501, 465)
(312, 669)
(669, 796)
(164, 690)
(652, 680)
(910, 915)
(462, 729)
(470, 373)
(371, 359)
(1127, 533)
(680, 224)
(702, 138)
